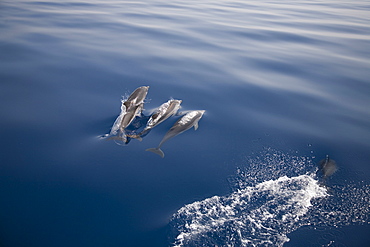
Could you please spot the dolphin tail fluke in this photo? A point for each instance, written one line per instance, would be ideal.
(156, 151)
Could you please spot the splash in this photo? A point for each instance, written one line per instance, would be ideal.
(272, 197)
(257, 215)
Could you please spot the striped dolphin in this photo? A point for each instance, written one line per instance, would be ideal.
(137, 97)
(130, 108)
(163, 112)
(186, 122)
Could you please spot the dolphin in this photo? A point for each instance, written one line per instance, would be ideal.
(137, 97)
(124, 120)
(129, 116)
(186, 122)
(163, 112)
(130, 108)
(327, 166)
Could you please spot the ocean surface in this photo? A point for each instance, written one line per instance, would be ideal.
(283, 85)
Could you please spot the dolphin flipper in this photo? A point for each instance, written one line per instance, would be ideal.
(156, 151)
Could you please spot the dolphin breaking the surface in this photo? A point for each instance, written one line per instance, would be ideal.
(186, 122)
(130, 108)
(163, 112)
(137, 97)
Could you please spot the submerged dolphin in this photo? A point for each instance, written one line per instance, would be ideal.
(130, 108)
(327, 167)
(163, 112)
(184, 123)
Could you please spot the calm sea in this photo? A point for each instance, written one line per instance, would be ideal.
(283, 83)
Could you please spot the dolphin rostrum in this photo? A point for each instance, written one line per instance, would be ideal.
(327, 167)
(187, 121)
(163, 112)
(130, 108)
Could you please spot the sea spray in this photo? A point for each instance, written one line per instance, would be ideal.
(262, 214)
(272, 195)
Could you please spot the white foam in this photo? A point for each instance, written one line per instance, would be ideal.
(261, 214)
(272, 195)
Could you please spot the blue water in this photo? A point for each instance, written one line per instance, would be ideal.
(283, 83)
